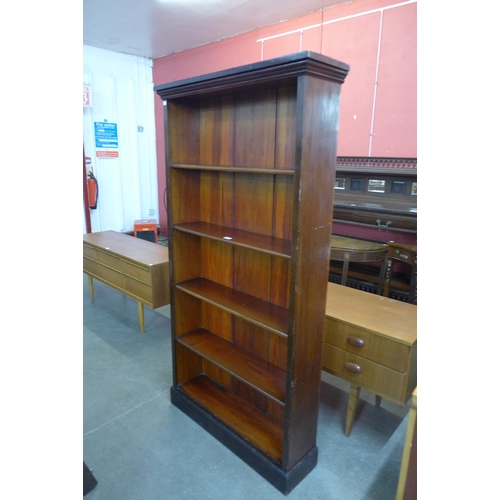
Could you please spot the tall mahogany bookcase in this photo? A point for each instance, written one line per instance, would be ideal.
(250, 156)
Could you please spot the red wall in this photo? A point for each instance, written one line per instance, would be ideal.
(377, 38)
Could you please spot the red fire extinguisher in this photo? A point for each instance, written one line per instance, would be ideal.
(93, 189)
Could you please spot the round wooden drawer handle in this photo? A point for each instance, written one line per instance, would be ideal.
(352, 367)
(354, 341)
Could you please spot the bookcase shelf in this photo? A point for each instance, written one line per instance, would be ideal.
(257, 311)
(267, 244)
(247, 170)
(262, 375)
(249, 423)
(250, 155)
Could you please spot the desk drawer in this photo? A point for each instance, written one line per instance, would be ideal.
(375, 219)
(379, 379)
(122, 266)
(89, 252)
(104, 273)
(382, 350)
(140, 290)
(130, 286)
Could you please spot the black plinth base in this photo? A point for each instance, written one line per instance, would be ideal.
(283, 481)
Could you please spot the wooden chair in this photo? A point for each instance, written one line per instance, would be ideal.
(401, 253)
(348, 250)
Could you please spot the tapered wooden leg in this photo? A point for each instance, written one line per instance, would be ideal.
(351, 408)
(345, 268)
(91, 287)
(410, 442)
(378, 400)
(141, 315)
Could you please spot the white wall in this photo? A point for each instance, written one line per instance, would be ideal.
(122, 93)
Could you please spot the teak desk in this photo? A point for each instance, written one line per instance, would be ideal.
(371, 342)
(135, 267)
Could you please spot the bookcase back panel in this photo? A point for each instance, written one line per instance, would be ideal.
(285, 128)
(188, 264)
(217, 374)
(278, 351)
(183, 126)
(255, 129)
(217, 132)
(283, 206)
(190, 321)
(253, 208)
(217, 321)
(251, 396)
(217, 198)
(252, 273)
(280, 282)
(188, 365)
(251, 129)
(276, 413)
(251, 338)
(184, 196)
(261, 204)
(217, 261)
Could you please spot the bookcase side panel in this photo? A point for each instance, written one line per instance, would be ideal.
(317, 117)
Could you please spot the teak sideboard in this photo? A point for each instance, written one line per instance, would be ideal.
(371, 342)
(250, 156)
(135, 267)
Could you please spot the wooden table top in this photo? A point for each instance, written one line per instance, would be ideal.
(142, 251)
(345, 243)
(374, 313)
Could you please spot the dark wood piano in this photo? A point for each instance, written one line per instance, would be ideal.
(375, 199)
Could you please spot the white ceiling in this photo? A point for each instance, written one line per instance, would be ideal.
(154, 28)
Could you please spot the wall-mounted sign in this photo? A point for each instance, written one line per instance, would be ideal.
(87, 96)
(106, 154)
(106, 139)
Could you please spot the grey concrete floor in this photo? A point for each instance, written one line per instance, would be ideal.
(140, 447)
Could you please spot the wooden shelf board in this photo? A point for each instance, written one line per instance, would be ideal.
(256, 311)
(254, 241)
(256, 372)
(244, 170)
(249, 423)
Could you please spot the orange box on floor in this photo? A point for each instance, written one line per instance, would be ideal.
(146, 230)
